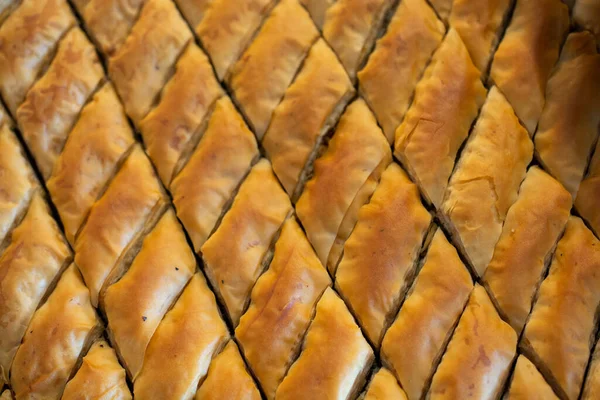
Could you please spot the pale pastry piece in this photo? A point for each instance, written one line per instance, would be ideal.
(569, 124)
(174, 127)
(350, 168)
(446, 102)
(529, 235)
(228, 378)
(586, 14)
(100, 377)
(351, 27)
(6, 8)
(96, 148)
(17, 184)
(415, 342)
(310, 108)
(218, 165)
(478, 358)
(58, 335)
(227, 28)
(28, 38)
(442, 8)
(282, 304)
(486, 180)
(193, 10)
(6, 395)
(384, 386)
(526, 56)
(140, 68)
(131, 205)
(591, 389)
(528, 383)
(29, 269)
(260, 77)
(560, 332)
(335, 356)
(480, 24)
(586, 202)
(180, 351)
(389, 78)
(109, 21)
(317, 9)
(235, 254)
(55, 101)
(381, 255)
(5, 118)
(135, 305)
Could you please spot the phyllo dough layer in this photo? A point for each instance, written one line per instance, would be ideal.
(479, 355)
(389, 78)
(526, 56)
(522, 254)
(383, 386)
(559, 334)
(335, 356)
(527, 383)
(415, 342)
(282, 305)
(381, 255)
(589, 193)
(569, 123)
(344, 179)
(235, 255)
(446, 102)
(486, 180)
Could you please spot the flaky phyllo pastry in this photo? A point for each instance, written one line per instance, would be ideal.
(299, 199)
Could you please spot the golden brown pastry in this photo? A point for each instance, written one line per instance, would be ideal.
(260, 77)
(194, 10)
(29, 268)
(478, 358)
(234, 255)
(227, 28)
(442, 8)
(28, 38)
(415, 342)
(530, 232)
(97, 146)
(6, 8)
(591, 389)
(109, 21)
(560, 331)
(586, 202)
(207, 183)
(528, 383)
(486, 180)
(5, 117)
(140, 68)
(480, 24)
(349, 169)
(228, 378)
(180, 351)
(310, 108)
(526, 55)
(351, 27)
(335, 356)
(173, 128)
(586, 14)
(54, 103)
(100, 377)
(17, 183)
(381, 254)
(58, 335)
(395, 66)
(569, 124)
(446, 102)
(131, 205)
(135, 305)
(384, 386)
(282, 305)
(317, 9)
